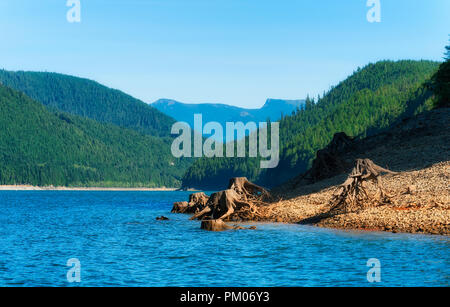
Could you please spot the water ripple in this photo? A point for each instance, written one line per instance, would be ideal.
(119, 243)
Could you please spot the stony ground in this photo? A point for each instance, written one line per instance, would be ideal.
(416, 205)
(419, 150)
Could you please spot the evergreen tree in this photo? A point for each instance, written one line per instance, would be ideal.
(440, 83)
(308, 103)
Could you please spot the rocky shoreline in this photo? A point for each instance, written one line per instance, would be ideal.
(420, 203)
(413, 208)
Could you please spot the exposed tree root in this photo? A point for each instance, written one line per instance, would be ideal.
(248, 190)
(353, 192)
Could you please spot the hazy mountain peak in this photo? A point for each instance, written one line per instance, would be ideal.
(273, 109)
(271, 102)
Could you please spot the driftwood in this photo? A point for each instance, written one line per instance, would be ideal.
(353, 192)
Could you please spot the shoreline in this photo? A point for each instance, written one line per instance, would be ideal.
(100, 189)
(415, 207)
(418, 203)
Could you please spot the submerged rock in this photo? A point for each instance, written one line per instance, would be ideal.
(220, 225)
(215, 225)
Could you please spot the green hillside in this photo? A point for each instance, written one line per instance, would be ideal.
(371, 99)
(42, 147)
(88, 99)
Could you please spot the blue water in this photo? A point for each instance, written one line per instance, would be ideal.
(119, 243)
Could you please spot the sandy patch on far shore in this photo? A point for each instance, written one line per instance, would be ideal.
(51, 188)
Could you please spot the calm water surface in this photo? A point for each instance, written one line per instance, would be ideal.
(119, 243)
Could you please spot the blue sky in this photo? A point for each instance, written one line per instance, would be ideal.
(238, 52)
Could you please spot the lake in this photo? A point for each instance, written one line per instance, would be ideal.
(118, 242)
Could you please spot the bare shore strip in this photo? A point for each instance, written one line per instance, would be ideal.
(420, 203)
(51, 188)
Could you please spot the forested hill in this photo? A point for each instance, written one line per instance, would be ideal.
(372, 98)
(89, 99)
(43, 147)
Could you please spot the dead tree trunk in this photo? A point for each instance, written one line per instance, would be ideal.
(353, 193)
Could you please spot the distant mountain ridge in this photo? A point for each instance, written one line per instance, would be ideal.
(273, 109)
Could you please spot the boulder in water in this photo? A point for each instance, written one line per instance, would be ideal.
(215, 225)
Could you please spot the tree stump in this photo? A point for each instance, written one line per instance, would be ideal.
(353, 193)
(180, 207)
(221, 205)
(243, 201)
(197, 203)
(198, 199)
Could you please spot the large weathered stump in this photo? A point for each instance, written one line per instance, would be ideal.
(229, 205)
(243, 200)
(215, 225)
